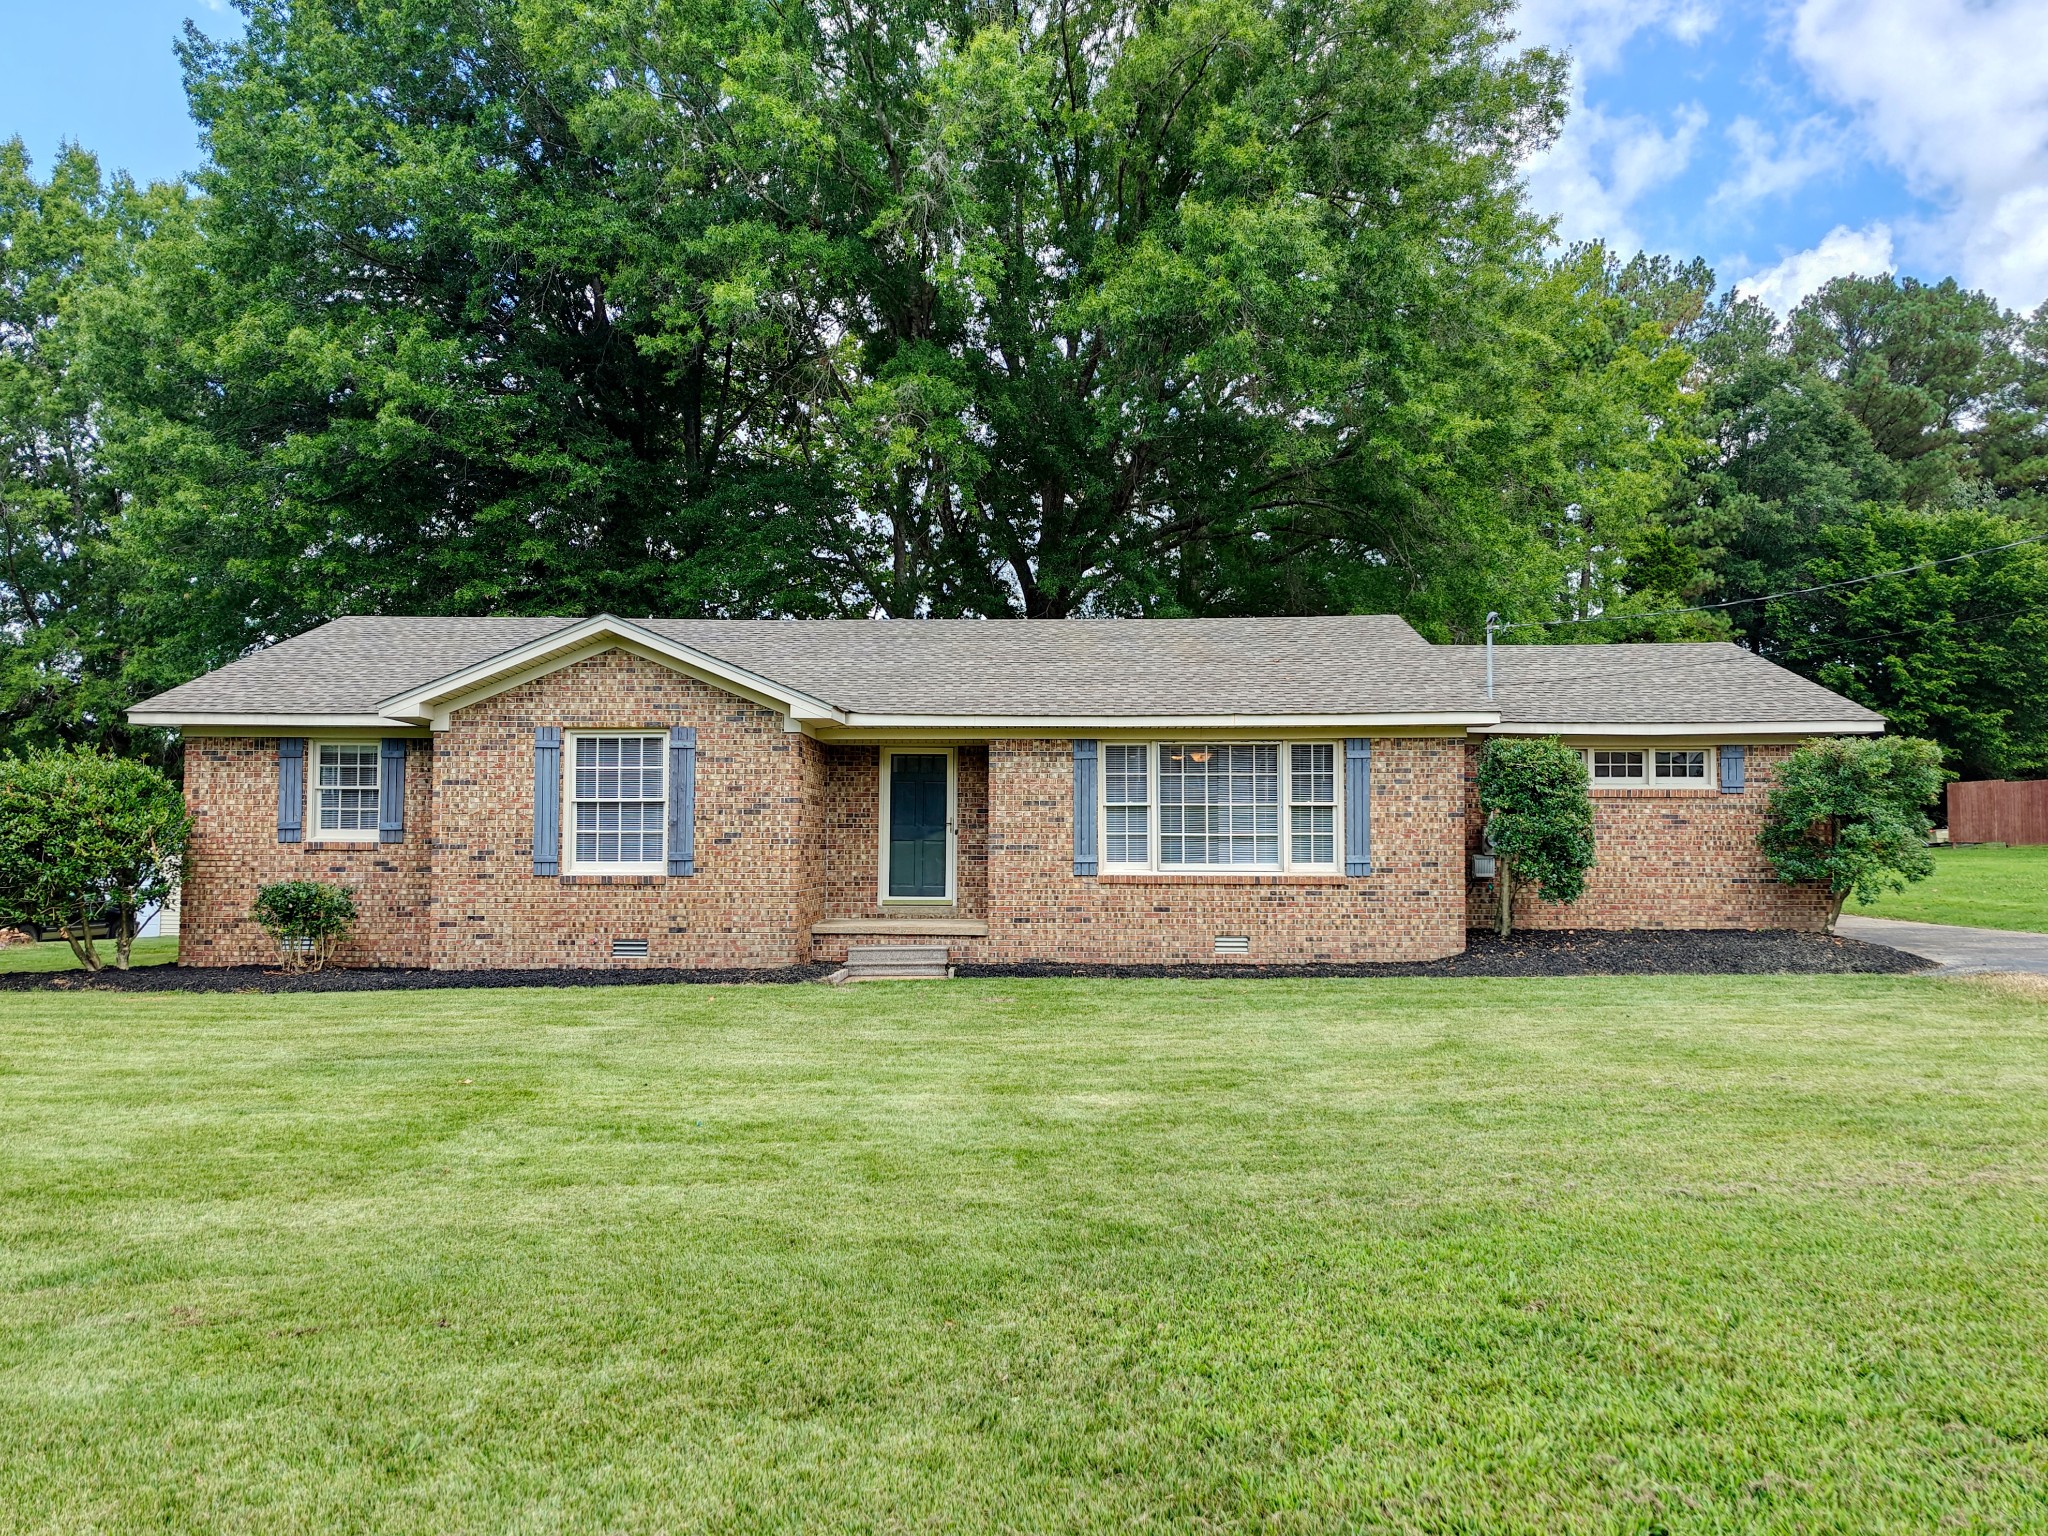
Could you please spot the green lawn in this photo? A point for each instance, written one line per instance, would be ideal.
(1704, 1255)
(58, 956)
(1979, 887)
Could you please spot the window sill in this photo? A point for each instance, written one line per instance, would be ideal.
(1658, 792)
(1274, 877)
(588, 878)
(345, 844)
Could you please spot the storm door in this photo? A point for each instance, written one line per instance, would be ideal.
(920, 833)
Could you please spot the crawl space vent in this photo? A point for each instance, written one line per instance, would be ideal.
(629, 949)
(1233, 943)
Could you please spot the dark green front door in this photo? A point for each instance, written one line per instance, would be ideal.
(917, 824)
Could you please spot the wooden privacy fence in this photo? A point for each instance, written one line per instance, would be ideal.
(1998, 811)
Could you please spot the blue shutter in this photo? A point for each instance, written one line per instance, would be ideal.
(291, 787)
(391, 791)
(682, 800)
(547, 800)
(1084, 808)
(1357, 806)
(1734, 769)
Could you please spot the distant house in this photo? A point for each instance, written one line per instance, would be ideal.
(520, 792)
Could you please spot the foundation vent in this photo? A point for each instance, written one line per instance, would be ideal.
(629, 949)
(1233, 943)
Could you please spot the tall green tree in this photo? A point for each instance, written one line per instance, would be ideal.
(1955, 650)
(65, 640)
(920, 308)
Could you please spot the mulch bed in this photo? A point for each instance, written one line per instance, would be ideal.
(256, 978)
(1583, 953)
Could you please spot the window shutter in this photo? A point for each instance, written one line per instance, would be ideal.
(391, 791)
(1734, 770)
(291, 787)
(682, 800)
(1084, 808)
(547, 800)
(1357, 806)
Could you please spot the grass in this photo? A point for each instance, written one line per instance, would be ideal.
(58, 956)
(1979, 887)
(1701, 1255)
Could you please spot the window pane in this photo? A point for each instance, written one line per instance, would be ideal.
(346, 776)
(1681, 765)
(1219, 804)
(621, 807)
(1314, 834)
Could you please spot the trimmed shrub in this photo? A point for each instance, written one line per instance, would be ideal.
(1851, 814)
(85, 839)
(306, 919)
(1539, 820)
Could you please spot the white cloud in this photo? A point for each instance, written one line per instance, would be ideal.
(1601, 166)
(1953, 94)
(1844, 252)
(1768, 166)
(1594, 32)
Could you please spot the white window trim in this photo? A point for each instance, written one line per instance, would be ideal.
(314, 833)
(952, 896)
(1287, 865)
(1650, 779)
(571, 865)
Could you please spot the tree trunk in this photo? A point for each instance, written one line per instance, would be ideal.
(81, 942)
(1836, 901)
(124, 937)
(1504, 895)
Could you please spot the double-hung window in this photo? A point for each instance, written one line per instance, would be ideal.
(1651, 767)
(345, 778)
(619, 794)
(1195, 807)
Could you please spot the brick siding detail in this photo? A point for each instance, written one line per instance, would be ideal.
(1667, 859)
(231, 791)
(1411, 907)
(759, 830)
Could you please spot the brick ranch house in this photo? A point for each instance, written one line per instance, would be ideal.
(531, 792)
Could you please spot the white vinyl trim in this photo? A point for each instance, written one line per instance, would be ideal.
(1726, 730)
(571, 865)
(310, 824)
(952, 895)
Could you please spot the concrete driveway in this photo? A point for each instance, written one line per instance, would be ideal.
(1959, 951)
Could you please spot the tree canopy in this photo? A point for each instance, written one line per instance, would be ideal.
(1223, 306)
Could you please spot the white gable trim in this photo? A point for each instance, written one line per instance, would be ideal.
(432, 703)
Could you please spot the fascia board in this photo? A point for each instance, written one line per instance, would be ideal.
(1719, 729)
(1042, 725)
(223, 721)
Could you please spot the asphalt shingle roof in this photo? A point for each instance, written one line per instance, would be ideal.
(1358, 664)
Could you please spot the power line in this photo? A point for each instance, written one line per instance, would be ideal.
(1719, 659)
(1770, 597)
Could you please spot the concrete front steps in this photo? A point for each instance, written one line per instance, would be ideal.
(894, 962)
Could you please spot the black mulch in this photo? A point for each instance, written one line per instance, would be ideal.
(1586, 952)
(255, 978)
(1582, 953)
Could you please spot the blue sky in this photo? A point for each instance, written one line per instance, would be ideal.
(1786, 141)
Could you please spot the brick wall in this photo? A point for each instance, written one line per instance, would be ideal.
(231, 790)
(1412, 907)
(1667, 858)
(760, 831)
